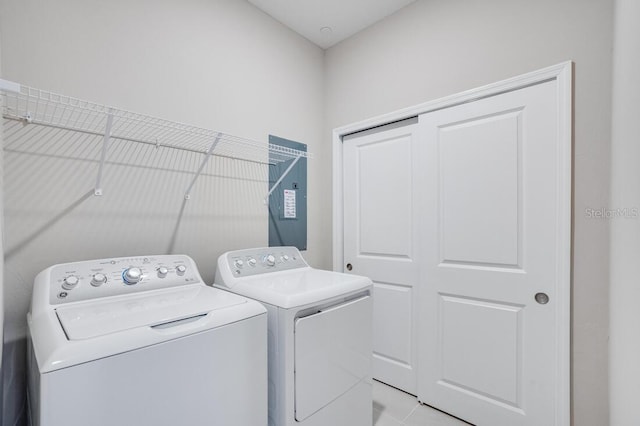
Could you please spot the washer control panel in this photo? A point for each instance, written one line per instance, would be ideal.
(244, 263)
(92, 279)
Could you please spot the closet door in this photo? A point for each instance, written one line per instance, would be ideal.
(380, 241)
(494, 239)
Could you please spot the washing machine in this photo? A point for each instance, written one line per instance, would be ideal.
(320, 335)
(143, 341)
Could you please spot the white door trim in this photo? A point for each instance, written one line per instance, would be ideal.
(562, 74)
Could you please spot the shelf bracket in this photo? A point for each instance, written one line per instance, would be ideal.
(105, 145)
(187, 194)
(281, 178)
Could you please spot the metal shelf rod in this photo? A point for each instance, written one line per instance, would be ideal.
(129, 139)
(275, 185)
(187, 194)
(105, 145)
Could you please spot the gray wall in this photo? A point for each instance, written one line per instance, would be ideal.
(219, 64)
(436, 48)
(624, 346)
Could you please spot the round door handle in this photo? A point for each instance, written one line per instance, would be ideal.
(349, 267)
(542, 298)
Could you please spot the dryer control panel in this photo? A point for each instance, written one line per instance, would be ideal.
(92, 279)
(244, 263)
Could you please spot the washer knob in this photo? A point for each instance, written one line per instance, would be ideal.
(270, 260)
(252, 262)
(70, 282)
(181, 269)
(132, 276)
(162, 271)
(239, 263)
(98, 279)
(285, 258)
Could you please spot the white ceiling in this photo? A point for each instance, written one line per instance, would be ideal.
(343, 17)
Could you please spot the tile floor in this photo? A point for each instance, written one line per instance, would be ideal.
(392, 407)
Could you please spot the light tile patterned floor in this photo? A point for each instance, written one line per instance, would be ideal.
(392, 407)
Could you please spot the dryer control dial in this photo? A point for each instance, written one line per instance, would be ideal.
(132, 276)
(181, 269)
(270, 260)
(162, 271)
(98, 279)
(70, 282)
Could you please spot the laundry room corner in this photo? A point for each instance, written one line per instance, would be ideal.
(222, 65)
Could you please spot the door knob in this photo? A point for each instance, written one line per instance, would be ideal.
(349, 267)
(542, 298)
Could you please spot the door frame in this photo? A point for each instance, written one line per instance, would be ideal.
(562, 74)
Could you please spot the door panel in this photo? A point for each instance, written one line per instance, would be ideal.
(384, 198)
(479, 199)
(393, 305)
(380, 242)
(492, 333)
(490, 201)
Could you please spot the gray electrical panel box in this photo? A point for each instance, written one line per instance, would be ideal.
(288, 201)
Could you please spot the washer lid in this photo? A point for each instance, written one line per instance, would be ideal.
(92, 319)
(297, 287)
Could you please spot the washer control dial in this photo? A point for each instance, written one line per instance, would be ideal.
(181, 269)
(70, 282)
(98, 279)
(162, 271)
(270, 260)
(132, 275)
(239, 263)
(252, 262)
(285, 258)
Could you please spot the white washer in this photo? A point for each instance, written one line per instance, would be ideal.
(320, 335)
(143, 341)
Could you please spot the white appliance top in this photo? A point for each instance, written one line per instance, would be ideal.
(279, 276)
(88, 310)
(93, 319)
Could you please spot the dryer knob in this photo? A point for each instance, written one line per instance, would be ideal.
(252, 261)
(162, 271)
(132, 276)
(270, 260)
(98, 279)
(181, 269)
(70, 282)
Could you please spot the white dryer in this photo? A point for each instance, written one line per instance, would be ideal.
(143, 341)
(320, 335)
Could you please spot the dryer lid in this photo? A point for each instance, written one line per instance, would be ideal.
(92, 319)
(297, 287)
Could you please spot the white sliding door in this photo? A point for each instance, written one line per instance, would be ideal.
(493, 199)
(380, 241)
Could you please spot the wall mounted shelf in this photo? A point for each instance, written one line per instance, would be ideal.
(39, 107)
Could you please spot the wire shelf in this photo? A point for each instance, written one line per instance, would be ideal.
(44, 108)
